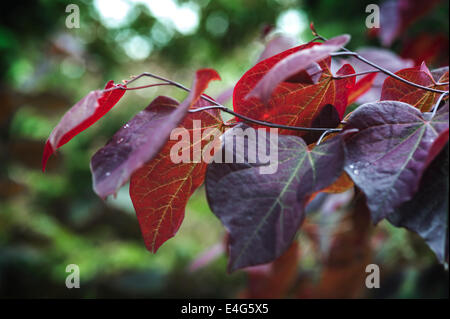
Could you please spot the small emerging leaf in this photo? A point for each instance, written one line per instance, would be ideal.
(82, 115)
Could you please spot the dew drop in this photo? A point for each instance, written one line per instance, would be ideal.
(108, 173)
(356, 172)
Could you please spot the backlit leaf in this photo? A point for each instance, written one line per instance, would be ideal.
(396, 90)
(82, 115)
(161, 188)
(362, 86)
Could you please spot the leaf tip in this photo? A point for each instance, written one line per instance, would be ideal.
(48, 151)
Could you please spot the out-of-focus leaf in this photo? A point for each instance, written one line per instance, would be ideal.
(343, 274)
(342, 184)
(396, 90)
(263, 212)
(384, 58)
(86, 112)
(276, 45)
(431, 48)
(397, 15)
(276, 279)
(392, 149)
(142, 137)
(427, 212)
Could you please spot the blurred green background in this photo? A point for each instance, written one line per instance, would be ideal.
(50, 220)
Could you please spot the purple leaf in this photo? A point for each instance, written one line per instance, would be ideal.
(138, 141)
(134, 144)
(295, 64)
(262, 212)
(394, 146)
(427, 213)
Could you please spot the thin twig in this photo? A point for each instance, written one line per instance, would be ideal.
(264, 123)
(223, 108)
(339, 77)
(323, 136)
(436, 106)
(135, 88)
(395, 76)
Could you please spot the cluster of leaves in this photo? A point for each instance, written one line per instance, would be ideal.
(392, 148)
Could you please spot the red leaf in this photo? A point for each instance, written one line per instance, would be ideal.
(161, 189)
(427, 47)
(295, 104)
(362, 86)
(419, 98)
(82, 115)
(293, 64)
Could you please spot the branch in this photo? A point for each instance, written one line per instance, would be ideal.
(395, 76)
(436, 106)
(264, 123)
(339, 77)
(216, 105)
(381, 69)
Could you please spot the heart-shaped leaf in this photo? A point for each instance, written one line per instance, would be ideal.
(261, 211)
(161, 188)
(394, 146)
